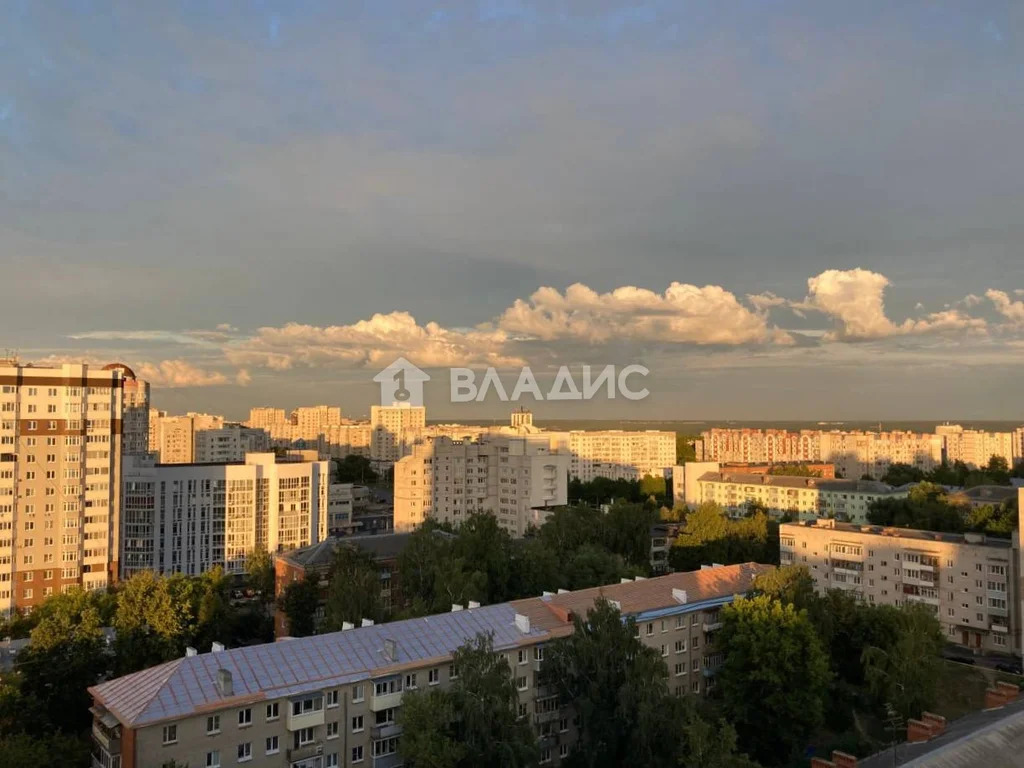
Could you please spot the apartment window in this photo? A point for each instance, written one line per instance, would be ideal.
(245, 752)
(357, 755)
(563, 751)
(244, 718)
(434, 677)
(999, 640)
(357, 724)
(695, 665)
(303, 736)
(357, 696)
(521, 684)
(650, 628)
(522, 711)
(332, 730)
(680, 669)
(331, 761)
(273, 745)
(307, 705)
(273, 711)
(332, 699)
(522, 656)
(696, 686)
(664, 651)
(664, 625)
(410, 680)
(170, 734)
(538, 653)
(680, 622)
(453, 672)
(680, 646)
(212, 725)
(213, 759)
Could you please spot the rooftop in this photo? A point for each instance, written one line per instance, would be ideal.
(789, 481)
(979, 539)
(187, 686)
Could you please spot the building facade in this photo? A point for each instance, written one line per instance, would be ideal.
(513, 478)
(970, 581)
(228, 444)
(173, 438)
(390, 427)
(61, 444)
(332, 700)
(975, 447)
(189, 518)
(619, 455)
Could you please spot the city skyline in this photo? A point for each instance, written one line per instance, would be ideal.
(801, 212)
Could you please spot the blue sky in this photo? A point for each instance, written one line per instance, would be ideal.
(258, 202)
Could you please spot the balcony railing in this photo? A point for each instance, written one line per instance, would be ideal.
(306, 751)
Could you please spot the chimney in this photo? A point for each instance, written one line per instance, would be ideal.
(390, 650)
(367, 623)
(456, 607)
(679, 595)
(190, 651)
(523, 623)
(346, 625)
(545, 593)
(217, 647)
(625, 581)
(616, 605)
(225, 687)
(474, 604)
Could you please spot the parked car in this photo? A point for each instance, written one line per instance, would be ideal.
(1013, 667)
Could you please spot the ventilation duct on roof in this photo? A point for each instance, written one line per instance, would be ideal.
(346, 625)
(679, 595)
(367, 623)
(217, 647)
(456, 607)
(563, 591)
(523, 623)
(225, 685)
(474, 604)
(390, 650)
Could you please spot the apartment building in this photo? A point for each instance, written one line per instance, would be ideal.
(228, 444)
(135, 431)
(809, 497)
(618, 455)
(970, 581)
(975, 447)
(854, 454)
(512, 477)
(319, 427)
(173, 438)
(332, 700)
(265, 418)
(189, 518)
(389, 427)
(61, 442)
(1018, 446)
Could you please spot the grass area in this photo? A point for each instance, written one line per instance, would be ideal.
(962, 688)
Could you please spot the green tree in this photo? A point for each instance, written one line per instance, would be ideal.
(791, 585)
(259, 573)
(569, 528)
(901, 474)
(535, 568)
(592, 565)
(353, 590)
(20, 749)
(627, 533)
(793, 470)
(355, 469)
(685, 448)
(774, 677)
(299, 602)
(485, 548)
(430, 738)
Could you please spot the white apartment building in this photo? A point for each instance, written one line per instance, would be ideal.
(319, 427)
(618, 455)
(975, 447)
(188, 518)
(970, 581)
(265, 418)
(135, 434)
(173, 438)
(511, 477)
(61, 442)
(389, 425)
(332, 700)
(228, 444)
(809, 497)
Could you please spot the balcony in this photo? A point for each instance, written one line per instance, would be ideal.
(921, 599)
(711, 626)
(305, 720)
(546, 717)
(387, 761)
(305, 752)
(385, 731)
(385, 701)
(109, 740)
(920, 582)
(1002, 629)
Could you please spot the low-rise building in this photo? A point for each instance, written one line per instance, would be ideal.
(970, 581)
(331, 700)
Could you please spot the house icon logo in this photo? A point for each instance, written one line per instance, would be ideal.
(401, 382)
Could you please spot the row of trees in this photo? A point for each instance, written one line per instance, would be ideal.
(795, 662)
(928, 507)
(709, 535)
(623, 711)
(649, 490)
(997, 472)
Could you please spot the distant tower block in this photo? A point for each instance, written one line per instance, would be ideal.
(522, 418)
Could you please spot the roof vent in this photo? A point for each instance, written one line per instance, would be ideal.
(640, 578)
(545, 593)
(217, 647)
(474, 604)
(225, 686)
(346, 625)
(523, 623)
(390, 650)
(625, 581)
(563, 591)
(367, 623)
(717, 565)
(679, 595)
(616, 605)
(190, 651)
(456, 607)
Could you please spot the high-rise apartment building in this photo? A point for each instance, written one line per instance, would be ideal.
(616, 454)
(390, 425)
(970, 581)
(332, 700)
(975, 447)
(188, 518)
(319, 427)
(514, 478)
(229, 443)
(265, 418)
(61, 442)
(174, 439)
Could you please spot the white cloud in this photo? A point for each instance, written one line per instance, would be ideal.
(1011, 310)
(683, 314)
(174, 374)
(854, 298)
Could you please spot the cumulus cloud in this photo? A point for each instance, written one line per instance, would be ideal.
(1005, 306)
(765, 301)
(855, 300)
(684, 313)
(181, 373)
(372, 342)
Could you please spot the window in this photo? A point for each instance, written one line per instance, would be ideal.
(273, 746)
(357, 724)
(650, 628)
(680, 669)
(453, 672)
(680, 646)
(332, 698)
(303, 736)
(245, 752)
(385, 747)
(273, 711)
(357, 696)
(170, 734)
(307, 705)
(664, 651)
(680, 622)
(332, 730)
(357, 754)
(545, 755)
(212, 725)
(521, 683)
(433, 677)
(244, 718)
(213, 759)
(331, 761)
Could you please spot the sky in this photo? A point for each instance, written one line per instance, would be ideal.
(784, 210)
